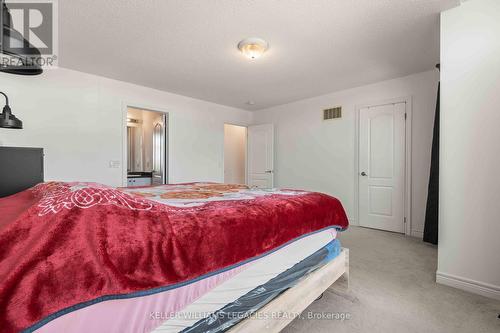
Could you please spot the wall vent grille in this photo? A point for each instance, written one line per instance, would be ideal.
(332, 113)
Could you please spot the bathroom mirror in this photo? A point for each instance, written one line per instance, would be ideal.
(135, 154)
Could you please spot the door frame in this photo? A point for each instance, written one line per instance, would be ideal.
(408, 153)
(140, 106)
(223, 150)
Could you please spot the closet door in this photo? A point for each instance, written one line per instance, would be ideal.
(382, 167)
(261, 156)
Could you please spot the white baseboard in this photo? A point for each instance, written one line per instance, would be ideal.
(475, 287)
(417, 233)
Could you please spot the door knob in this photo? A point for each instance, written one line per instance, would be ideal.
(363, 174)
(268, 171)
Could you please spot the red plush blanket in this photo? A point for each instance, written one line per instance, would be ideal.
(68, 245)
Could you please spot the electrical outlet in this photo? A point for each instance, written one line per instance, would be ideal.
(114, 164)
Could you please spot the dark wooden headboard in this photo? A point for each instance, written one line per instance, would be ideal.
(20, 168)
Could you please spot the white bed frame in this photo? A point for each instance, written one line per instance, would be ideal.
(296, 299)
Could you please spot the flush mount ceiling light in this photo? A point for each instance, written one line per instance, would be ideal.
(253, 48)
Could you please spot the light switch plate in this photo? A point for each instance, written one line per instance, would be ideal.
(114, 164)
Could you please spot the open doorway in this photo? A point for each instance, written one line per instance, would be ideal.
(235, 154)
(146, 152)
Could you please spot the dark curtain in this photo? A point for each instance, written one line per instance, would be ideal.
(432, 211)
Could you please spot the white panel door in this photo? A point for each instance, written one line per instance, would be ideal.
(261, 156)
(382, 167)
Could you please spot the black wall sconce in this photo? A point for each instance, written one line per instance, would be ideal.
(7, 119)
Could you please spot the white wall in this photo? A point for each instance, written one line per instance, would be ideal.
(469, 244)
(78, 119)
(319, 155)
(235, 143)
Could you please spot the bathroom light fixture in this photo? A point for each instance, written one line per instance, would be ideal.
(133, 121)
(253, 48)
(7, 119)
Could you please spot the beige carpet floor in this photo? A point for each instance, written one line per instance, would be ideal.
(393, 289)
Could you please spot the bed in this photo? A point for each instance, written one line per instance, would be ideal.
(198, 257)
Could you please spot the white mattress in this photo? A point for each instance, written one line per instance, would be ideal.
(257, 273)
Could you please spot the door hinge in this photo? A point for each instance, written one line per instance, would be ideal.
(405, 115)
(404, 220)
